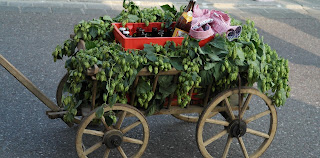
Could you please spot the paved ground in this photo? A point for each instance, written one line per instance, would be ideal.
(277, 8)
(30, 30)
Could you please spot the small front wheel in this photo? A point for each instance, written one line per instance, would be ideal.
(253, 128)
(128, 137)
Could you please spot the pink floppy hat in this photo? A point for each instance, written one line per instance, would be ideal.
(206, 23)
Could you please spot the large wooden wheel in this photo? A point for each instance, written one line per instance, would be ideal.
(253, 128)
(128, 137)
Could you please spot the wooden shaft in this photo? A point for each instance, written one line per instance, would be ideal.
(28, 84)
(207, 95)
(133, 95)
(155, 84)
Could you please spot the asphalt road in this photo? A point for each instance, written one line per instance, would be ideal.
(27, 40)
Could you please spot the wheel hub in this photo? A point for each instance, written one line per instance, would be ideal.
(237, 128)
(113, 138)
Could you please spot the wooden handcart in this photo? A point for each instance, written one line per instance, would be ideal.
(129, 136)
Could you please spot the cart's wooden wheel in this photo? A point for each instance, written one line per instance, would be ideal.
(128, 137)
(253, 128)
(59, 92)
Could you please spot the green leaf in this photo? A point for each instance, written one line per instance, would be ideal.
(239, 62)
(113, 100)
(203, 49)
(79, 34)
(168, 23)
(93, 31)
(206, 77)
(151, 57)
(176, 63)
(166, 91)
(133, 18)
(209, 66)
(96, 22)
(217, 73)
(143, 87)
(100, 111)
(68, 64)
(99, 63)
(219, 42)
(129, 58)
(165, 80)
(256, 64)
(214, 57)
(194, 76)
(166, 7)
(149, 49)
(73, 46)
(132, 77)
(240, 54)
(198, 60)
(193, 43)
(260, 85)
(283, 95)
(90, 44)
(192, 54)
(152, 108)
(78, 104)
(109, 120)
(107, 18)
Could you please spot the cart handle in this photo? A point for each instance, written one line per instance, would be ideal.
(28, 84)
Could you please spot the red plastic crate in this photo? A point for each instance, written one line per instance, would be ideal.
(138, 42)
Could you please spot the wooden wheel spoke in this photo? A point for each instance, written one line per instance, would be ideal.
(255, 117)
(214, 138)
(105, 123)
(212, 114)
(258, 133)
(245, 105)
(93, 148)
(106, 153)
(229, 109)
(218, 122)
(227, 147)
(128, 128)
(132, 140)
(122, 152)
(122, 116)
(243, 148)
(93, 132)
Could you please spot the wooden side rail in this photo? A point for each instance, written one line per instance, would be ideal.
(28, 84)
